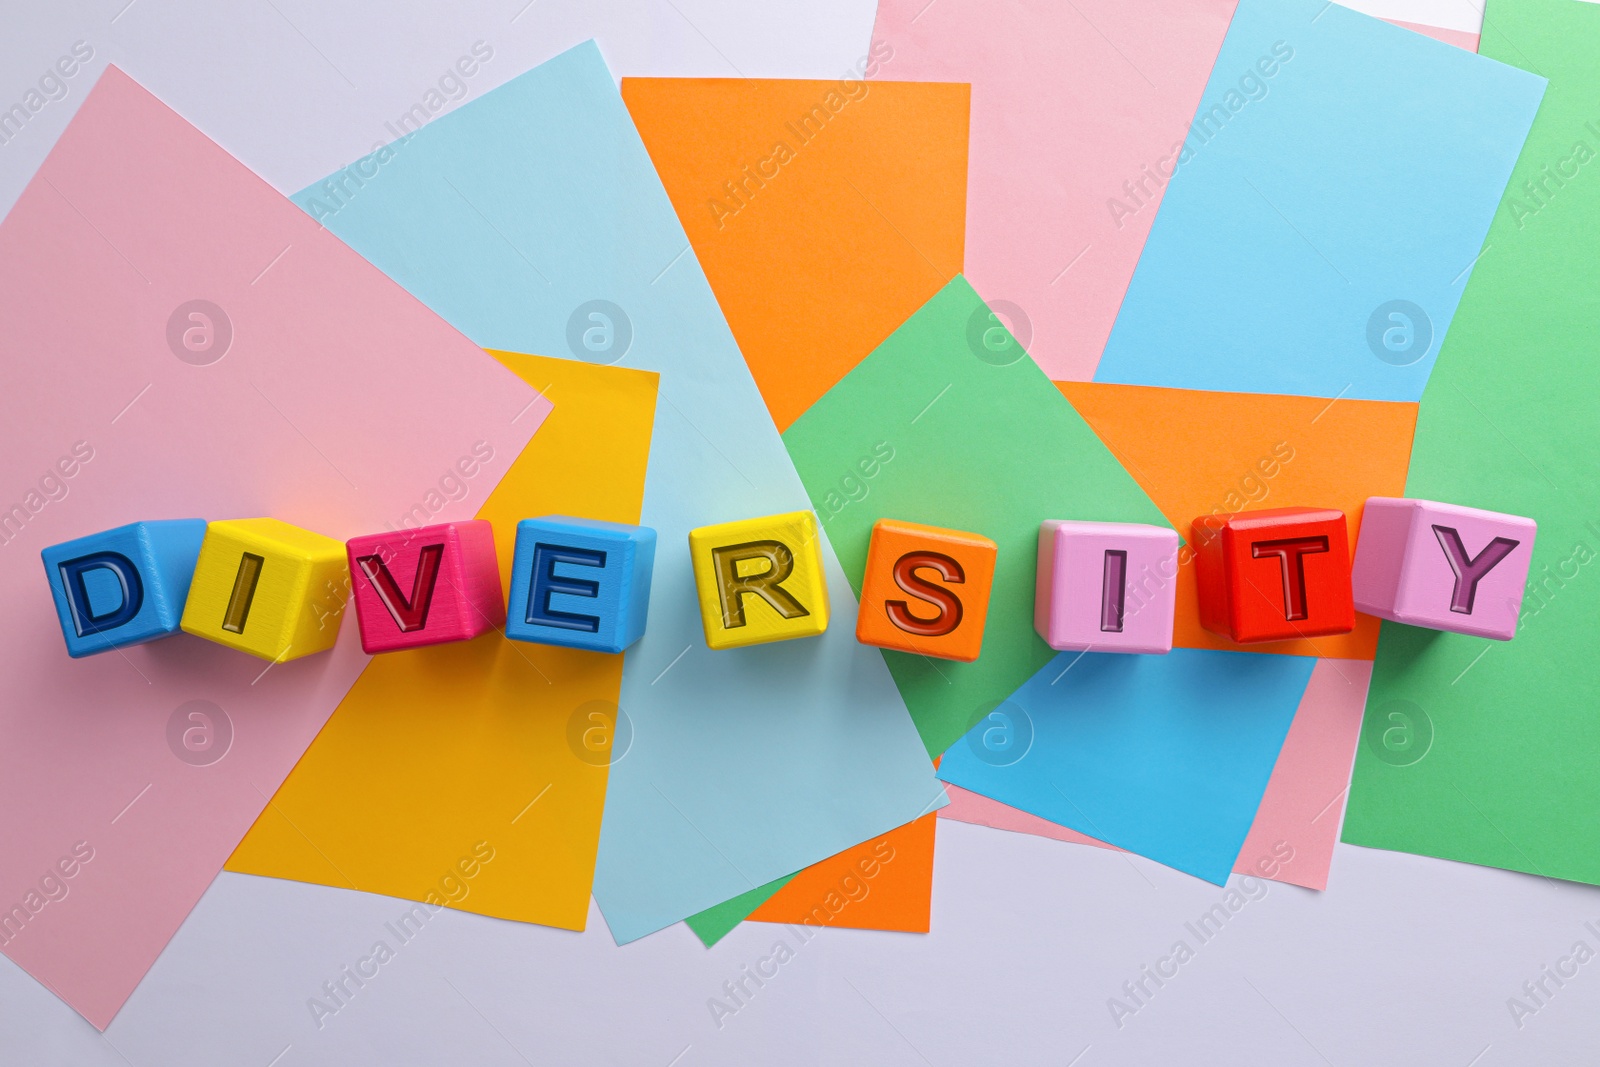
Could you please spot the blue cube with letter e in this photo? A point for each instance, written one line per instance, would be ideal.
(124, 586)
(580, 583)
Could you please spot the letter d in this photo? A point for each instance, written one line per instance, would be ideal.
(84, 619)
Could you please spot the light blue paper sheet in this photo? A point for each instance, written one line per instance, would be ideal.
(1324, 219)
(1166, 756)
(532, 220)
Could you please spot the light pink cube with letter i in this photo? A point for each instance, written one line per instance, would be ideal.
(1106, 586)
(1442, 567)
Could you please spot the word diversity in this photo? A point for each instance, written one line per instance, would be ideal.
(277, 591)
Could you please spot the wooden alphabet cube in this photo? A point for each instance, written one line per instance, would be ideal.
(1443, 567)
(760, 580)
(267, 588)
(580, 583)
(1106, 586)
(926, 590)
(124, 586)
(425, 586)
(1274, 575)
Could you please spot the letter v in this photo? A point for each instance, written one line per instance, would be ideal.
(409, 613)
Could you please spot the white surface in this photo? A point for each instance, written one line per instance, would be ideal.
(1406, 960)
(296, 88)
(1403, 960)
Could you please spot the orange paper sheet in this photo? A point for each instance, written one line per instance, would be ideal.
(466, 775)
(882, 884)
(823, 213)
(1197, 453)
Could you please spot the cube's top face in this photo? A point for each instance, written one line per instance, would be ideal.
(593, 527)
(393, 542)
(1288, 574)
(926, 590)
(278, 537)
(1112, 586)
(1464, 569)
(122, 586)
(268, 588)
(925, 534)
(425, 586)
(618, 535)
(1155, 536)
(760, 580)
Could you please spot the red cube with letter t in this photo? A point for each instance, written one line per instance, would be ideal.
(1274, 575)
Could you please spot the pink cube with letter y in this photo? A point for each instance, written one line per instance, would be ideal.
(1106, 586)
(426, 586)
(1442, 566)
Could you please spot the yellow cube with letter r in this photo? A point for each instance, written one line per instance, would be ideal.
(760, 580)
(268, 588)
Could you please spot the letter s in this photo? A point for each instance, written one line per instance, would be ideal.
(909, 581)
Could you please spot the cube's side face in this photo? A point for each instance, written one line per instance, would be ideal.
(1116, 587)
(1382, 545)
(576, 585)
(1465, 570)
(926, 590)
(1045, 614)
(760, 580)
(319, 609)
(111, 590)
(1289, 576)
(1212, 579)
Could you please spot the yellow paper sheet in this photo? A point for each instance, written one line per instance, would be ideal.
(467, 774)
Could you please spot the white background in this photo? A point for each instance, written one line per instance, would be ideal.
(1403, 960)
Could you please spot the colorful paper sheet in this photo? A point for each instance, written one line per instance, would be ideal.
(1166, 756)
(185, 343)
(864, 241)
(1292, 837)
(1476, 750)
(531, 218)
(440, 756)
(1072, 104)
(1340, 175)
(1200, 453)
(949, 423)
(811, 175)
(882, 884)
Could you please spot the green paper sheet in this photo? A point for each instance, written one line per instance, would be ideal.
(718, 921)
(949, 423)
(1472, 749)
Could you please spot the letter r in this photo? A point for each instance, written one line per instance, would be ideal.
(732, 586)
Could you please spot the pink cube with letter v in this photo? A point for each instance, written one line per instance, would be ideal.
(1442, 567)
(1106, 586)
(426, 586)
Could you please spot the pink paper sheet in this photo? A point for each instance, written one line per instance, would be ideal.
(1074, 106)
(1069, 102)
(339, 404)
(1295, 829)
